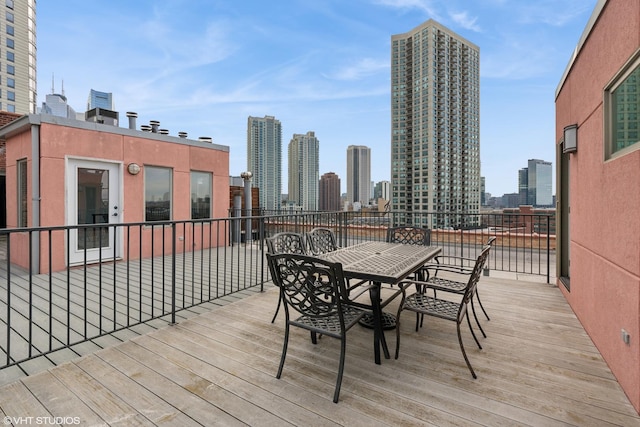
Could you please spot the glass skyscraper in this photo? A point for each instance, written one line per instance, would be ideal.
(264, 159)
(435, 125)
(102, 100)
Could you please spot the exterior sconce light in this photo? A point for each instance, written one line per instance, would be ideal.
(570, 144)
(133, 168)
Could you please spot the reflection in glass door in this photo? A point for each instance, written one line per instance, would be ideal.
(93, 199)
(93, 207)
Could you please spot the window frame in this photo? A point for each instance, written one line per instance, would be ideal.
(149, 169)
(208, 178)
(632, 65)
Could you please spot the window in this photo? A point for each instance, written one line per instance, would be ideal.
(10, 44)
(157, 193)
(22, 193)
(11, 82)
(10, 30)
(9, 4)
(11, 96)
(200, 195)
(9, 16)
(622, 106)
(11, 56)
(11, 70)
(11, 108)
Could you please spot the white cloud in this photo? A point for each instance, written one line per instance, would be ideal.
(424, 5)
(363, 68)
(463, 20)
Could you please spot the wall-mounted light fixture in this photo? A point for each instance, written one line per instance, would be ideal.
(570, 144)
(133, 168)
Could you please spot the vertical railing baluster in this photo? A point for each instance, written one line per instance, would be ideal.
(173, 275)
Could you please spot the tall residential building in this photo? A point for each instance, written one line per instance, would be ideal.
(102, 100)
(358, 174)
(382, 190)
(18, 81)
(329, 192)
(304, 166)
(264, 159)
(435, 125)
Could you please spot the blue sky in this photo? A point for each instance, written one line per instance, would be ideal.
(204, 66)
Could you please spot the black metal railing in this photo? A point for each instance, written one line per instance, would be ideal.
(61, 286)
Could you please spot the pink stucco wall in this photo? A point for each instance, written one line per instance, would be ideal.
(59, 142)
(604, 199)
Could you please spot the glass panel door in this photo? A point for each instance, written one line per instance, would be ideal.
(93, 198)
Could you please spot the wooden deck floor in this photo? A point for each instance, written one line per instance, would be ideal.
(538, 367)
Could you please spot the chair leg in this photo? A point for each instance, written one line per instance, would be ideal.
(471, 329)
(398, 331)
(277, 309)
(284, 350)
(464, 353)
(481, 306)
(473, 309)
(343, 350)
(314, 338)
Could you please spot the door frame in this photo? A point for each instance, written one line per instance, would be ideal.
(115, 246)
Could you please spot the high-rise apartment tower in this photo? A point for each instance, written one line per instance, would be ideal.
(329, 192)
(304, 166)
(18, 81)
(435, 126)
(264, 159)
(358, 174)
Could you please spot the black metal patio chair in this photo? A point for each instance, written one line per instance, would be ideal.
(423, 304)
(321, 240)
(315, 289)
(288, 243)
(458, 266)
(410, 236)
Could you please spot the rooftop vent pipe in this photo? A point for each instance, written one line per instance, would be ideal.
(205, 139)
(182, 134)
(163, 131)
(154, 125)
(132, 119)
(145, 128)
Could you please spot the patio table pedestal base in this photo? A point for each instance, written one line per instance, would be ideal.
(388, 321)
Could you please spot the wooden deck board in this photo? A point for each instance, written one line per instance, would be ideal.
(537, 367)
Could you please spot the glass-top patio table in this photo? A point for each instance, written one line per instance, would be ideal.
(380, 262)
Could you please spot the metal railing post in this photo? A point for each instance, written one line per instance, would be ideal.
(173, 273)
(548, 249)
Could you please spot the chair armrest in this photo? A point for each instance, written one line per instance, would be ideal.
(452, 264)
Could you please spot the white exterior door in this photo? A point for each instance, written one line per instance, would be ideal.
(93, 197)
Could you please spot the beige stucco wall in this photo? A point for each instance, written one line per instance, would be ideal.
(604, 199)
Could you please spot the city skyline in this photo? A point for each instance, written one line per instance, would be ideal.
(204, 68)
